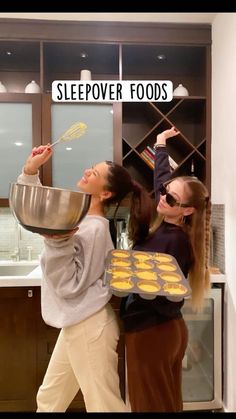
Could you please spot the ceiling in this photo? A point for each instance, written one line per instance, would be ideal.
(116, 17)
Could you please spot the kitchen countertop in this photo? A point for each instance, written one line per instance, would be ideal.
(33, 279)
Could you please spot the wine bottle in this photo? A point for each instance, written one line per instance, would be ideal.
(192, 170)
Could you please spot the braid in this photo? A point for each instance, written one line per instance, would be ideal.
(198, 229)
(207, 242)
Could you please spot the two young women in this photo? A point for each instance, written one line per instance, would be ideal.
(74, 299)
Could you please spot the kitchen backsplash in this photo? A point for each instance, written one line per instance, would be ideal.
(218, 236)
(12, 239)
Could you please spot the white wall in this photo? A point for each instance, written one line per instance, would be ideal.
(122, 17)
(224, 174)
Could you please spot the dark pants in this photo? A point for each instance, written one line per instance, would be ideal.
(154, 367)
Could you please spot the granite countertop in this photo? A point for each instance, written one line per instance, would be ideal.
(34, 279)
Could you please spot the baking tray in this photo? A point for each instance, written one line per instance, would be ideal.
(145, 273)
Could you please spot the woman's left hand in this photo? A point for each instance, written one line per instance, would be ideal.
(67, 235)
(164, 135)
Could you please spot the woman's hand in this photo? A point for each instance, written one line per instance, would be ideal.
(61, 236)
(37, 158)
(164, 135)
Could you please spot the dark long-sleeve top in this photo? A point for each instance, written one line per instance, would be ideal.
(136, 312)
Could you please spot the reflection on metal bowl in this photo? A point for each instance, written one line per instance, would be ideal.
(47, 210)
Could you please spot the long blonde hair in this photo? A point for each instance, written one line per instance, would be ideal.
(197, 227)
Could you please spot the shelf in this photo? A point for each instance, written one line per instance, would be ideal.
(142, 122)
(201, 148)
(65, 60)
(19, 64)
(189, 117)
(139, 170)
(181, 64)
(186, 165)
(138, 120)
(126, 149)
(19, 56)
(178, 147)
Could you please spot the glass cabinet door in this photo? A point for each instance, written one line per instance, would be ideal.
(202, 368)
(71, 158)
(20, 129)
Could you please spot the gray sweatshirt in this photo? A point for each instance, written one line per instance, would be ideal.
(73, 268)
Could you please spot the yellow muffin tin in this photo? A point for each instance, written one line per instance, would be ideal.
(145, 273)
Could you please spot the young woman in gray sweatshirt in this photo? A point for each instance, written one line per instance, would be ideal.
(73, 297)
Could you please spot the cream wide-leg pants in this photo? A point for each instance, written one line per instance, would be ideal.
(84, 358)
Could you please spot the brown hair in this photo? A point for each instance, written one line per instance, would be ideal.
(197, 226)
(121, 184)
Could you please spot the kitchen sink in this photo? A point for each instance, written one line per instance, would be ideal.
(17, 269)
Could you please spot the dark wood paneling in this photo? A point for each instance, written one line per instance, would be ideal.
(162, 33)
(17, 349)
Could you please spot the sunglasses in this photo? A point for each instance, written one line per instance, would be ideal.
(170, 199)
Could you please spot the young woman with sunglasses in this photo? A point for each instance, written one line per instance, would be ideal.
(155, 332)
(73, 297)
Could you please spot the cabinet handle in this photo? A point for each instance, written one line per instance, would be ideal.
(30, 293)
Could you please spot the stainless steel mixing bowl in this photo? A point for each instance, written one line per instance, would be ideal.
(47, 210)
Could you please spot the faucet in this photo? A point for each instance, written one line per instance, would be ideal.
(15, 255)
(17, 252)
(29, 248)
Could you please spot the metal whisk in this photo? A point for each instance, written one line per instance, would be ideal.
(75, 131)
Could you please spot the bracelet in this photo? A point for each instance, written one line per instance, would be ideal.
(158, 146)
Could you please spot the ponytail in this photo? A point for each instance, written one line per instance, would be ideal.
(142, 209)
(142, 212)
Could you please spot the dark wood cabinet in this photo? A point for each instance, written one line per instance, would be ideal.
(141, 122)
(188, 150)
(26, 346)
(18, 349)
(47, 51)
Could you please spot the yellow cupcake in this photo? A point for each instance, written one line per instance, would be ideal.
(121, 262)
(175, 289)
(120, 272)
(141, 256)
(166, 267)
(120, 253)
(171, 277)
(122, 284)
(148, 286)
(161, 257)
(143, 265)
(146, 275)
